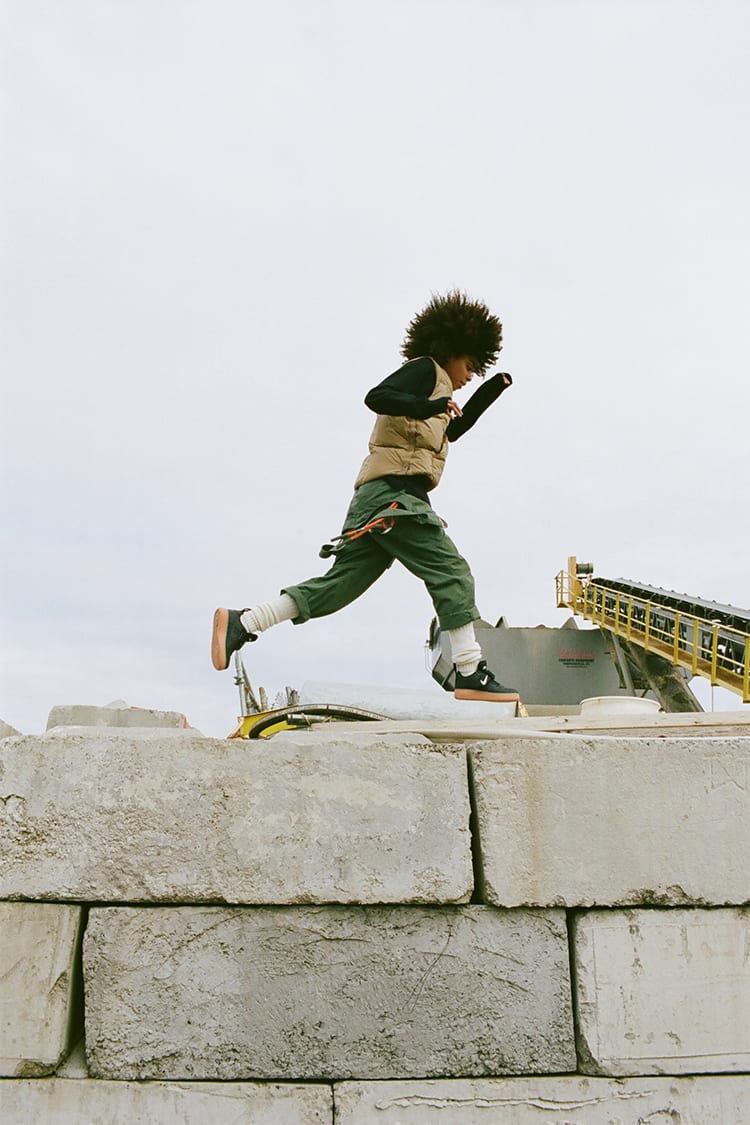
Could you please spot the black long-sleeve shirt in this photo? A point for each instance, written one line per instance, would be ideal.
(406, 393)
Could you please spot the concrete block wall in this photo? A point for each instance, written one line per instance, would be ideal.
(373, 927)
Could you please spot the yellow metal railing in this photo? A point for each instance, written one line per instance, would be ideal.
(703, 646)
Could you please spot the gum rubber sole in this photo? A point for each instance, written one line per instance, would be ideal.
(488, 696)
(219, 640)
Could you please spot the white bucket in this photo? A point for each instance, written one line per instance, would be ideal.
(618, 705)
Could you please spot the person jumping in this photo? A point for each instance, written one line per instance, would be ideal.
(390, 516)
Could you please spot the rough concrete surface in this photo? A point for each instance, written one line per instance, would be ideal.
(581, 821)
(359, 734)
(663, 991)
(175, 817)
(74, 1064)
(38, 1016)
(118, 714)
(315, 993)
(547, 1101)
(71, 1101)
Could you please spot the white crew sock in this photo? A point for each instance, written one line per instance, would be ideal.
(465, 651)
(263, 616)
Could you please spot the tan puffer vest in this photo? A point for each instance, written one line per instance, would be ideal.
(409, 446)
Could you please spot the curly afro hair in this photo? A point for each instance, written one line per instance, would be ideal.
(452, 326)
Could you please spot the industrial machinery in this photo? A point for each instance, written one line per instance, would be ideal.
(258, 720)
(645, 641)
(651, 628)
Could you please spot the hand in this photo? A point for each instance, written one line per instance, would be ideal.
(505, 378)
(454, 409)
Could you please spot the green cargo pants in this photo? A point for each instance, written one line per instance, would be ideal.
(417, 540)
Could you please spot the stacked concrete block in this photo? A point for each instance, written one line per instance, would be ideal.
(546, 1101)
(573, 821)
(39, 1018)
(351, 954)
(663, 991)
(66, 1101)
(570, 1100)
(117, 714)
(326, 992)
(171, 816)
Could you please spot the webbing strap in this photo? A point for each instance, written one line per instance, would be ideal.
(383, 524)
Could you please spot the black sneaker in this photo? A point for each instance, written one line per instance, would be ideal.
(483, 685)
(229, 635)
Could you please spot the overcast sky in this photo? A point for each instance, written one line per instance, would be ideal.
(217, 220)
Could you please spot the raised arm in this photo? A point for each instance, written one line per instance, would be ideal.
(483, 397)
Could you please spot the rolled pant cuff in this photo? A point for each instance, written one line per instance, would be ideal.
(301, 602)
(456, 620)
